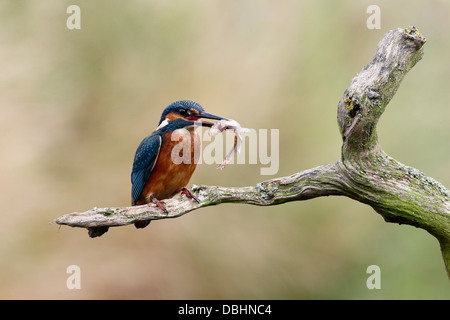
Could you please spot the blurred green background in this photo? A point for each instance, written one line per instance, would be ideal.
(76, 103)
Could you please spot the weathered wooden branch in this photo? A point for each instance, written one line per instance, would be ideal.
(364, 173)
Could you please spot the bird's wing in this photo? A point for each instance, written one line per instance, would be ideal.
(144, 162)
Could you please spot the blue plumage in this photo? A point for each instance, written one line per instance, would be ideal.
(144, 161)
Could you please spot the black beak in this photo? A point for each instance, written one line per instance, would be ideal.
(206, 115)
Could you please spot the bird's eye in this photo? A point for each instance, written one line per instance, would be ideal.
(184, 112)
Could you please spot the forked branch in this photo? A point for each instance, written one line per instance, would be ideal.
(364, 173)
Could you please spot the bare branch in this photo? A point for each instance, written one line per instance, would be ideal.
(303, 185)
(371, 90)
(364, 173)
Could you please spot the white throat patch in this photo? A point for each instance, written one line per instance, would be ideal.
(163, 124)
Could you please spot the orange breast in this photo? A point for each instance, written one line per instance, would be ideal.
(173, 168)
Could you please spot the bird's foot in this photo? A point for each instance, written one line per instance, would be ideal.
(160, 204)
(189, 194)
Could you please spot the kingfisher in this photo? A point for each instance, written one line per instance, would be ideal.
(155, 175)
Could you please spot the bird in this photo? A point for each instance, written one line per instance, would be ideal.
(155, 175)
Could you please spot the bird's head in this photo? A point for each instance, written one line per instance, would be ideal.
(185, 113)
